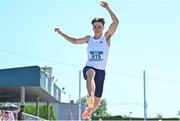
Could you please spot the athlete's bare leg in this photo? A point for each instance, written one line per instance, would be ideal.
(91, 89)
(90, 84)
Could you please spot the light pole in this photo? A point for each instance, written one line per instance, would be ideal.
(145, 103)
(79, 95)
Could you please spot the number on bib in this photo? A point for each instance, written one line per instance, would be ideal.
(96, 55)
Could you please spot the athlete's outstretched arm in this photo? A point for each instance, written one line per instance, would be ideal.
(114, 18)
(71, 39)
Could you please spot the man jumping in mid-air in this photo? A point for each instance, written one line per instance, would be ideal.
(97, 51)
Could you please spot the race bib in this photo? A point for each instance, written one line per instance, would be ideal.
(96, 55)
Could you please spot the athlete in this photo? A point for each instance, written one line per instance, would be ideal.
(97, 52)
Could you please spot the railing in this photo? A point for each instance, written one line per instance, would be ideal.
(32, 117)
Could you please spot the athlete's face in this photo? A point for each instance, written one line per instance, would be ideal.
(98, 27)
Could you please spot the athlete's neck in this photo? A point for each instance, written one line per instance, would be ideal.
(97, 36)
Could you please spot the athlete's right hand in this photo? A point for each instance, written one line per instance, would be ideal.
(57, 30)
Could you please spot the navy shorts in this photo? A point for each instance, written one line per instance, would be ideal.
(99, 79)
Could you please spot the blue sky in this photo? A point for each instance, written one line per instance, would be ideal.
(147, 38)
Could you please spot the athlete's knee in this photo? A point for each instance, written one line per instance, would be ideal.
(90, 73)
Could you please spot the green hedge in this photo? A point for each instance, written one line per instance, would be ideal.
(31, 109)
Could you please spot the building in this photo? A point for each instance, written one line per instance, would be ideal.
(29, 84)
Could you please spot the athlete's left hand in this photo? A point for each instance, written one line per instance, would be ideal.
(104, 4)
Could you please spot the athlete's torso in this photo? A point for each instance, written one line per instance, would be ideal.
(97, 52)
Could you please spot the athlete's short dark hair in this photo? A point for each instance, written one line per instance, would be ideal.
(98, 20)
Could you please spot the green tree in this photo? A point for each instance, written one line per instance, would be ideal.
(159, 116)
(31, 109)
(101, 111)
(178, 113)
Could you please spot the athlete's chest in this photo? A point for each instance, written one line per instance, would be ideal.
(97, 45)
